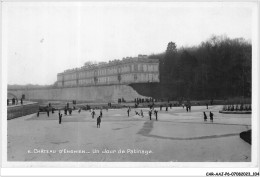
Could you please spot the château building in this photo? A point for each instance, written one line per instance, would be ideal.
(129, 70)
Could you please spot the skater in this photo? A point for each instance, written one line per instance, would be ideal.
(38, 113)
(205, 117)
(52, 110)
(60, 117)
(128, 112)
(79, 110)
(48, 113)
(70, 111)
(142, 114)
(98, 122)
(93, 114)
(207, 106)
(155, 113)
(65, 111)
(21, 101)
(190, 108)
(211, 116)
(166, 109)
(101, 114)
(150, 115)
(187, 108)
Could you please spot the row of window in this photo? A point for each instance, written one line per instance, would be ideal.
(126, 78)
(109, 71)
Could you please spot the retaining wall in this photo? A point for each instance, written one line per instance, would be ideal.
(21, 110)
(109, 93)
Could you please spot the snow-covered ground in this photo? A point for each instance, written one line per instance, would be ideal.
(178, 136)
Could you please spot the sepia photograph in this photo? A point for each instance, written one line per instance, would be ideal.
(169, 83)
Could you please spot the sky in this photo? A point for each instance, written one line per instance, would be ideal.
(41, 39)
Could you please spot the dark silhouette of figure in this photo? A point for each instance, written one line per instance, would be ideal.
(13, 101)
(52, 110)
(211, 116)
(207, 106)
(150, 115)
(21, 101)
(101, 114)
(93, 114)
(142, 114)
(166, 109)
(38, 113)
(190, 108)
(170, 105)
(155, 112)
(48, 113)
(160, 107)
(60, 117)
(79, 110)
(128, 112)
(70, 111)
(205, 116)
(98, 121)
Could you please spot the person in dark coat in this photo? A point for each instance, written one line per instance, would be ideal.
(101, 114)
(128, 112)
(98, 121)
(48, 113)
(155, 112)
(211, 116)
(60, 117)
(150, 115)
(38, 113)
(207, 106)
(205, 116)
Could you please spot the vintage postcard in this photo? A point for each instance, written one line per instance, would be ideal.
(131, 84)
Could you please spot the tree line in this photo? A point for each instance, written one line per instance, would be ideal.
(218, 68)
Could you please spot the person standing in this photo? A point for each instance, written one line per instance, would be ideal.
(207, 105)
(60, 117)
(79, 110)
(150, 115)
(155, 112)
(93, 114)
(128, 112)
(142, 114)
(101, 114)
(98, 122)
(205, 117)
(211, 116)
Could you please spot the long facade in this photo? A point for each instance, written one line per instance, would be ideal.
(129, 70)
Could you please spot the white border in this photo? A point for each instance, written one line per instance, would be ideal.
(170, 168)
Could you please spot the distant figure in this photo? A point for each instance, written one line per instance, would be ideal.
(183, 106)
(48, 113)
(211, 116)
(101, 114)
(207, 106)
(187, 108)
(13, 101)
(38, 113)
(142, 114)
(205, 116)
(60, 117)
(70, 111)
(160, 107)
(98, 122)
(166, 109)
(190, 108)
(155, 113)
(21, 101)
(128, 112)
(49, 104)
(150, 115)
(52, 110)
(136, 113)
(79, 110)
(170, 105)
(93, 114)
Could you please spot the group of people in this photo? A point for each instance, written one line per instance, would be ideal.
(14, 101)
(210, 115)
